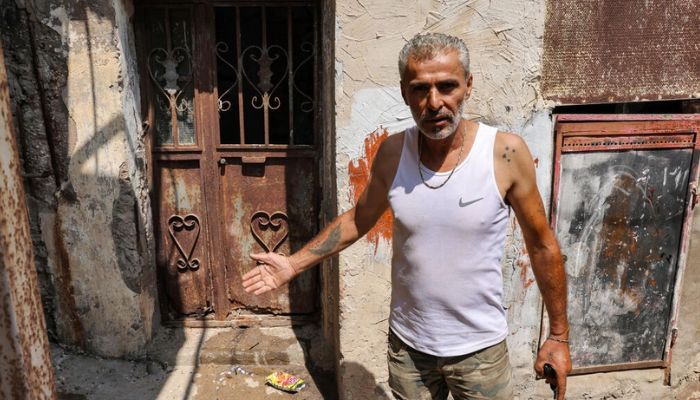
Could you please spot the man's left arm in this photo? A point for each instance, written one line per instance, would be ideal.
(545, 256)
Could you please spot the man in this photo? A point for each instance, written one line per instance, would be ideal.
(449, 183)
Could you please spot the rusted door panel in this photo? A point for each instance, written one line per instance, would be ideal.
(183, 259)
(622, 204)
(233, 81)
(621, 237)
(268, 206)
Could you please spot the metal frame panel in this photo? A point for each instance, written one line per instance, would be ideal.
(605, 132)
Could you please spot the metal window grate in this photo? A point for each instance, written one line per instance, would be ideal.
(266, 64)
(169, 66)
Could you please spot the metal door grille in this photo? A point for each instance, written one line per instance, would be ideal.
(266, 64)
(169, 66)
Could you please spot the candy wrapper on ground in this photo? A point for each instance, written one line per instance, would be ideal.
(285, 381)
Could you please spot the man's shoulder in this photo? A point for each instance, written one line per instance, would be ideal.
(391, 146)
(510, 139)
(388, 156)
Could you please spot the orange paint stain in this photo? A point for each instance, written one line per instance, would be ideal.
(523, 264)
(529, 283)
(358, 172)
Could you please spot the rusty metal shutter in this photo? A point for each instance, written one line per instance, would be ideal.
(623, 196)
(621, 51)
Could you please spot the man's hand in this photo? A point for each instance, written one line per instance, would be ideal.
(557, 355)
(273, 270)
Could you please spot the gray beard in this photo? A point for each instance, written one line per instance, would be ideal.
(448, 130)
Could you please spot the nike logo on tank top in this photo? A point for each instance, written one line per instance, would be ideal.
(447, 286)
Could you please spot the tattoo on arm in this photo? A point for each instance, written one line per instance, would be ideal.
(507, 153)
(327, 246)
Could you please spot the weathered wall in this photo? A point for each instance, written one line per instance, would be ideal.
(75, 96)
(505, 40)
(505, 43)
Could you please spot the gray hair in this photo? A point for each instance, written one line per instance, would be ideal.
(425, 46)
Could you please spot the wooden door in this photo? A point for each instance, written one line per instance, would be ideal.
(231, 92)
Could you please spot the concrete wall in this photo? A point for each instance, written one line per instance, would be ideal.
(505, 40)
(75, 94)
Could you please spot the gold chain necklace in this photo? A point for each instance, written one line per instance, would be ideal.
(420, 170)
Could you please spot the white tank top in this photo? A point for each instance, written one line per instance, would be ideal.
(447, 286)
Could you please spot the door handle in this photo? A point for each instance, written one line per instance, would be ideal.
(222, 161)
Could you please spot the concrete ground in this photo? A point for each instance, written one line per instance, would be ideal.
(198, 364)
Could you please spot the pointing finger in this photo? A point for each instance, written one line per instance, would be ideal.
(262, 257)
(263, 289)
(250, 275)
(254, 286)
(250, 282)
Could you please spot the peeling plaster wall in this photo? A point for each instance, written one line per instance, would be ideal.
(93, 221)
(112, 268)
(505, 41)
(504, 38)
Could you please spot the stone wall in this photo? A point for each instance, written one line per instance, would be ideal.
(74, 87)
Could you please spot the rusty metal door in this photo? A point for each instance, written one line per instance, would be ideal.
(624, 191)
(235, 154)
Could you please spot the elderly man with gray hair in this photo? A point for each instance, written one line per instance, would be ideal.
(450, 184)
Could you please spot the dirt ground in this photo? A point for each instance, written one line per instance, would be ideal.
(194, 365)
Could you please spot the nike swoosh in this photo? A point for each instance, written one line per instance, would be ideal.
(468, 202)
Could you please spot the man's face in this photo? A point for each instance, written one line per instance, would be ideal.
(436, 91)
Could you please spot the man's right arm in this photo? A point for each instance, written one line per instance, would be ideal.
(274, 270)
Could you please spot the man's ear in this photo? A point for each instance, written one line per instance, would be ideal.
(470, 80)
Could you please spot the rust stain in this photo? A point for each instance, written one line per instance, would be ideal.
(64, 287)
(359, 171)
(25, 370)
(620, 33)
(529, 283)
(523, 264)
(537, 162)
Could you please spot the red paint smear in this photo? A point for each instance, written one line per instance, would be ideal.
(358, 171)
(523, 262)
(523, 265)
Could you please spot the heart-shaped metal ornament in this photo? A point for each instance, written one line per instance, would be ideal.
(179, 225)
(274, 227)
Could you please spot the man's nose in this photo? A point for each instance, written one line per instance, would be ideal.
(434, 100)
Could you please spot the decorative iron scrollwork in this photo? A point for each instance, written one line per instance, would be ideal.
(221, 49)
(178, 224)
(277, 221)
(307, 105)
(167, 79)
(265, 88)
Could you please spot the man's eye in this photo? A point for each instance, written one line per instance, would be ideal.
(447, 87)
